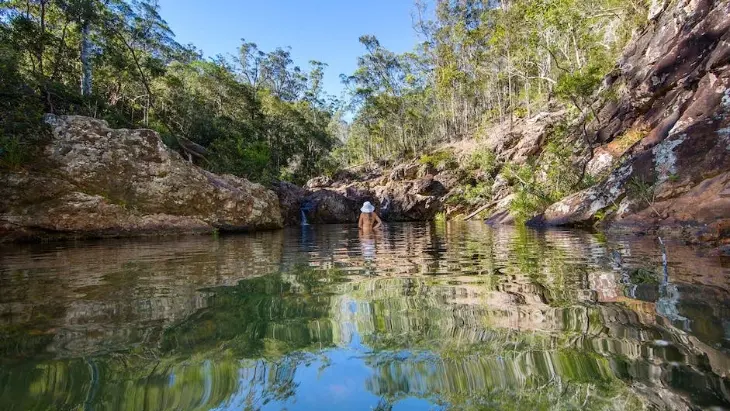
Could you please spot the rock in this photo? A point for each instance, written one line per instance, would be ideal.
(345, 176)
(449, 179)
(399, 203)
(524, 140)
(426, 169)
(93, 181)
(319, 182)
(329, 207)
(580, 208)
(408, 171)
(656, 8)
(700, 215)
(358, 193)
(291, 200)
(601, 163)
(500, 213)
(499, 186)
(428, 186)
(674, 82)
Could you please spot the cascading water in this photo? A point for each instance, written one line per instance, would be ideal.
(304, 217)
(305, 207)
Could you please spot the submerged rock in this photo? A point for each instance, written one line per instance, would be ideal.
(93, 181)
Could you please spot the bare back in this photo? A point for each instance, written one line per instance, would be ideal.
(368, 221)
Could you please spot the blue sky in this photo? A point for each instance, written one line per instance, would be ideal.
(324, 30)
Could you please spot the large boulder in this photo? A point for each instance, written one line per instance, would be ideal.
(580, 208)
(93, 181)
(402, 202)
(328, 207)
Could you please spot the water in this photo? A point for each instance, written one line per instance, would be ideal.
(417, 317)
(304, 217)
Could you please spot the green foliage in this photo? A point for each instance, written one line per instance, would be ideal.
(580, 84)
(440, 217)
(601, 215)
(481, 64)
(483, 160)
(546, 179)
(529, 200)
(13, 152)
(641, 189)
(478, 194)
(256, 115)
(644, 191)
(440, 160)
(643, 275)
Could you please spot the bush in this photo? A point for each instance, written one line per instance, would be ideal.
(328, 166)
(526, 205)
(482, 159)
(529, 199)
(440, 160)
(478, 194)
(252, 161)
(13, 152)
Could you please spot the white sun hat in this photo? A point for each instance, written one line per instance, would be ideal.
(367, 207)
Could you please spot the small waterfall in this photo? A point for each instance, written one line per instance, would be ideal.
(306, 206)
(304, 217)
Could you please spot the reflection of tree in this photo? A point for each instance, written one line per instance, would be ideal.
(267, 316)
(539, 379)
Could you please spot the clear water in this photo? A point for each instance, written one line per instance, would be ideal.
(419, 316)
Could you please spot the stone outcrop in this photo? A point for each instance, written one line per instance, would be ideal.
(673, 87)
(93, 181)
(398, 194)
(291, 201)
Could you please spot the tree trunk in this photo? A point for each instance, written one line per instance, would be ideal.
(86, 72)
(42, 40)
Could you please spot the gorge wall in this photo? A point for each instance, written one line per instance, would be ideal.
(658, 147)
(672, 91)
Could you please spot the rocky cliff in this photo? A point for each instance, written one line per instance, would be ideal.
(93, 181)
(672, 91)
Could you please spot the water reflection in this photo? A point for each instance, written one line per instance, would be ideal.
(413, 317)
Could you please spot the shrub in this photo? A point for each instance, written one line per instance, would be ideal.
(482, 159)
(13, 152)
(440, 160)
(644, 191)
(477, 194)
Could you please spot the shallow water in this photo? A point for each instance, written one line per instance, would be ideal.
(418, 316)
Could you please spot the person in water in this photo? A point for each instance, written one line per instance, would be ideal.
(369, 219)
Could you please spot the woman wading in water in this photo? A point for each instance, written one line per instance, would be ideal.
(369, 219)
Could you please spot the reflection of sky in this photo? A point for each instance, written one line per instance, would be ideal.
(332, 379)
(335, 380)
